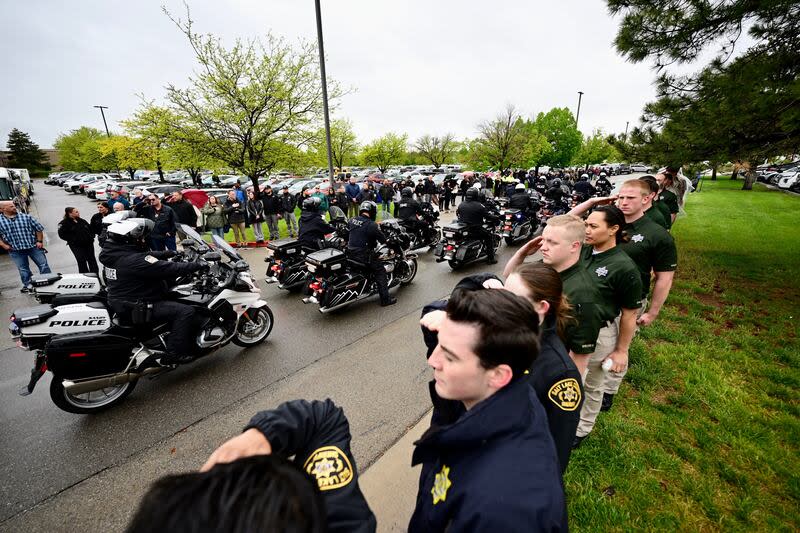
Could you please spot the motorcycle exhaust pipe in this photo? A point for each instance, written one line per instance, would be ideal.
(82, 387)
(310, 300)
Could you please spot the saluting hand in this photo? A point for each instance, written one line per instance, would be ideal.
(531, 247)
(433, 320)
(251, 442)
(605, 200)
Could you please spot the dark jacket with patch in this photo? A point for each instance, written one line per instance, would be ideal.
(317, 434)
(185, 212)
(492, 469)
(77, 232)
(313, 229)
(553, 376)
(132, 274)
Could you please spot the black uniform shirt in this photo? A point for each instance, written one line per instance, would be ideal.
(617, 279)
(652, 249)
(471, 213)
(364, 234)
(313, 228)
(317, 434)
(657, 215)
(520, 200)
(584, 297)
(408, 209)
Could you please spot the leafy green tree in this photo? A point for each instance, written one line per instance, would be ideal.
(741, 109)
(559, 129)
(185, 150)
(25, 153)
(130, 154)
(501, 142)
(255, 103)
(386, 151)
(81, 150)
(595, 149)
(437, 150)
(154, 127)
(344, 145)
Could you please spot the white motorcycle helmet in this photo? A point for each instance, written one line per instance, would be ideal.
(130, 230)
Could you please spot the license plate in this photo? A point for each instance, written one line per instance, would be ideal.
(449, 234)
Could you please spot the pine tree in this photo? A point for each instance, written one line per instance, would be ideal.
(25, 153)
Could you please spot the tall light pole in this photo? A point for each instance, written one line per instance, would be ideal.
(324, 91)
(578, 114)
(101, 107)
(626, 128)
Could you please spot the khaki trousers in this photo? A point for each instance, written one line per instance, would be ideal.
(594, 381)
(613, 379)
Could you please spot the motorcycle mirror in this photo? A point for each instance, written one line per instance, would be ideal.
(211, 256)
(241, 266)
(188, 243)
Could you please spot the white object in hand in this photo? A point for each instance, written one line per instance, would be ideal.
(607, 364)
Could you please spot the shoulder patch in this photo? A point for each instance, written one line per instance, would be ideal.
(566, 394)
(441, 485)
(150, 259)
(330, 467)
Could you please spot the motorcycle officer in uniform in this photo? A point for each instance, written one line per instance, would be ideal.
(364, 237)
(474, 214)
(584, 187)
(603, 184)
(313, 227)
(135, 274)
(521, 200)
(408, 211)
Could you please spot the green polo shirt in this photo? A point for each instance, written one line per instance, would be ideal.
(669, 199)
(617, 279)
(652, 249)
(583, 296)
(659, 215)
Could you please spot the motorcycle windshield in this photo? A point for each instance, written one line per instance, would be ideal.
(192, 234)
(226, 248)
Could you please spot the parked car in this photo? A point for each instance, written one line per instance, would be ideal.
(640, 167)
(159, 189)
(788, 179)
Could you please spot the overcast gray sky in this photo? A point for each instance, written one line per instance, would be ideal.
(417, 66)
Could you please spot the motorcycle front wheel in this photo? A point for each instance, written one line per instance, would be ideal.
(88, 402)
(254, 327)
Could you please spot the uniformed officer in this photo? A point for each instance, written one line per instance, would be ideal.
(474, 214)
(408, 209)
(620, 288)
(602, 183)
(250, 483)
(553, 375)
(313, 227)
(365, 234)
(657, 212)
(490, 466)
(584, 187)
(665, 196)
(134, 274)
(521, 200)
(560, 244)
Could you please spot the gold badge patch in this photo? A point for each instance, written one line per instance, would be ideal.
(330, 467)
(566, 394)
(440, 485)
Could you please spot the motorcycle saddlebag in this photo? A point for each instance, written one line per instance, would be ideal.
(455, 230)
(88, 354)
(284, 248)
(327, 259)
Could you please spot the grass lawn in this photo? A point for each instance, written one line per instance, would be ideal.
(704, 433)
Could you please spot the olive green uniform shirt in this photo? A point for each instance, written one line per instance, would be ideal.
(668, 199)
(584, 297)
(660, 215)
(617, 279)
(652, 249)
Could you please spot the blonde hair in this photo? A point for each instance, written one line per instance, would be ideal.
(637, 184)
(573, 226)
(544, 284)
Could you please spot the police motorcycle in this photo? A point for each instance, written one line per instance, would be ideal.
(286, 258)
(430, 233)
(459, 248)
(60, 289)
(97, 357)
(335, 281)
(517, 225)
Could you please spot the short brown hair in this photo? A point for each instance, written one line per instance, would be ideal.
(508, 327)
(545, 284)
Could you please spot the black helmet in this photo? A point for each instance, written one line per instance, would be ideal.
(407, 192)
(557, 182)
(472, 194)
(370, 208)
(311, 203)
